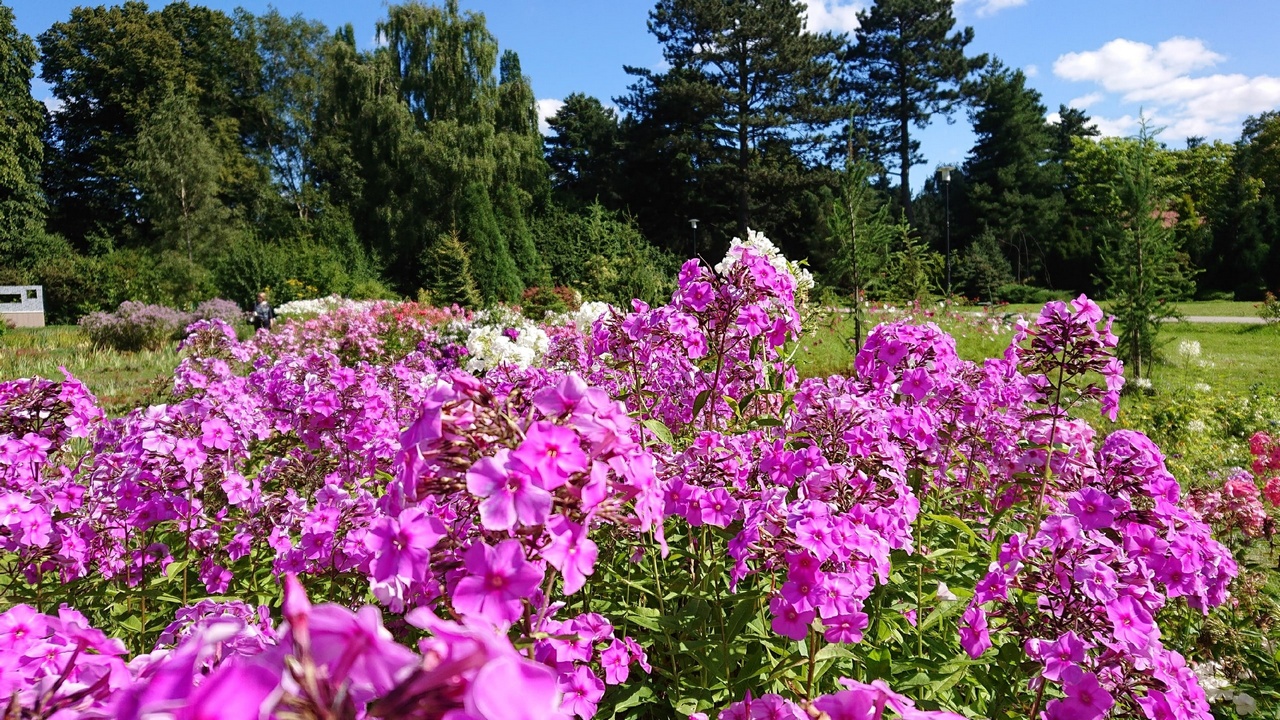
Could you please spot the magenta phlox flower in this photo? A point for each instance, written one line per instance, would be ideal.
(718, 508)
(400, 549)
(616, 661)
(582, 691)
(845, 628)
(511, 687)
(511, 493)
(552, 452)
(1064, 653)
(1093, 507)
(973, 632)
(1085, 698)
(571, 552)
(790, 621)
(498, 580)
(1131, 623)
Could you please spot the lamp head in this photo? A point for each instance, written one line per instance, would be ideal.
(693, 223)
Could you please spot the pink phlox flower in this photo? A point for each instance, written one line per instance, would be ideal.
(499, 579)
(553, 452)
(1085, 698)
(510, 492)
(571, 552)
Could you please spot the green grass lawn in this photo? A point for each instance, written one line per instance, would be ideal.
(122, 381)
(1233, 357)
(1206, 308)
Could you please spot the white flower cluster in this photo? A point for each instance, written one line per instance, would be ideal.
(501, 336)
(764, 247)
(320, 306)
(1189, 349)
(1218, 688)
(584, 317)
(1142, 383)
(1196, 426)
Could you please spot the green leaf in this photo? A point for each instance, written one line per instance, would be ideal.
(660, 430)
(954, 522)
(699, 401)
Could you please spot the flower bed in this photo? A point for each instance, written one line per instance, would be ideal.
(622, 513)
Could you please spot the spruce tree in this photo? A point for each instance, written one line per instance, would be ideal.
(905, 66)
(446, 273)
(493, 267)
(1141, 268)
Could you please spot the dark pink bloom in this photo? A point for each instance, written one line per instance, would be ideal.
(582, 692)
(509, 493)
(571, 552)
(500, 578)
(552, 452)
(1093, 508)
(788, 621)
(1085, 700)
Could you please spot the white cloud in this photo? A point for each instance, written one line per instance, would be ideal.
(1161, 80)
(53, 104)
(1125, 65)
(840, 16)
(1053, 118)
(1122, 126)
(987, 8)
(546, 109)
(1031, 70)
(1085, 101)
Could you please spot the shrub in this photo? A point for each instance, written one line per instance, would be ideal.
(219, 309)
(134, 326)
(538, 301)
(1269, 309)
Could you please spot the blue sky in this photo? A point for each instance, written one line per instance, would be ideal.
(1194, 67)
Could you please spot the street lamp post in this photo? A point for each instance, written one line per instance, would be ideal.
(944, 173)
(693, 223)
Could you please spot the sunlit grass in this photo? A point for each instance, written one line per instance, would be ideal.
(122, 381)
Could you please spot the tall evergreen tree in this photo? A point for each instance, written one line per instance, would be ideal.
(584, 152)
(1246, 254)
(772, 82)
(111, 68)
(1012, 190)
(1140, 265)
(447, 273)
(22, 120)
(906, 65)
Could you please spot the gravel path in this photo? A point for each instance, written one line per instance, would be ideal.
(1246, 320)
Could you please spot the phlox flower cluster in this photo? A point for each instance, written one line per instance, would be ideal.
(1235, 506)
(324, 661)
(1115, 547)
(760, 246)
(720, 337)
(321, 306)
(857, 701)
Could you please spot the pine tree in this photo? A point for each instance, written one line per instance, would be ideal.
(1012, 190)
(584, 152)
(446, 273)
(905, 66)
(771, 82)
(861, 235)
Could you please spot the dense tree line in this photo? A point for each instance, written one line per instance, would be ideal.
(193, 152)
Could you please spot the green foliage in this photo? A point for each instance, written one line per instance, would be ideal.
(914, 270)
(177, 170)
(22, 205)
(859, 242)
(1011, 190)
(538, 301)
(603, 256)
(906, 65)
(1142, 269)
(983, 271)
(447, 274)
(1269, 308)
(772, 81)
(1027, 294)
(584, 152)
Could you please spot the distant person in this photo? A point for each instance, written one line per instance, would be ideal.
(263, 313)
